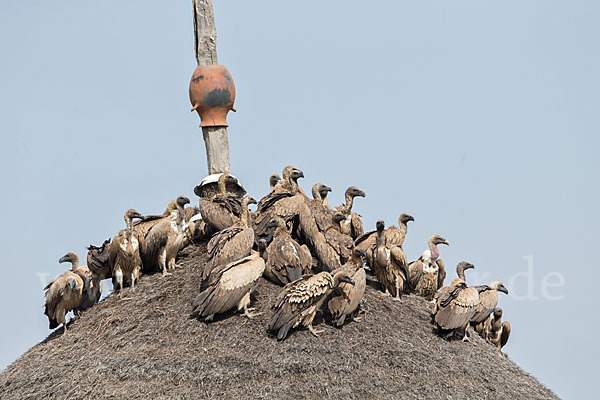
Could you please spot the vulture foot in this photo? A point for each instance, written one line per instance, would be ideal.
(165, 273)
(250, 315)
(314, 331)
(357, 319)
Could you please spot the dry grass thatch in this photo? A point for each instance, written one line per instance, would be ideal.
(145, 345)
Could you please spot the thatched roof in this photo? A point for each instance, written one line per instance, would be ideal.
(145, 345)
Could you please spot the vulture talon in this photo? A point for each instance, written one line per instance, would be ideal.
(314, 331)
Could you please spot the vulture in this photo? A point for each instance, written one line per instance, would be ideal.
(124, 256)
(289, 183)
(460, 272)
(65, 292)
(427, 274)
(345, 302)
(389, 263)
(393, 236)
(230, 286)
(318, 206)
(286, 260)
(98, 260)
(144, 225)
(164, 239)
(224, 209)
(299, 301)
(455, 308)
(230, 244)
(353, 225)
(273, 179)
(495, 331)
(342, 244)
(488, 300)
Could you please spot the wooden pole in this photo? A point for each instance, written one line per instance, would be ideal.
(216, 139)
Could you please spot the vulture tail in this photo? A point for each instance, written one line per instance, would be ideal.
(283, 331)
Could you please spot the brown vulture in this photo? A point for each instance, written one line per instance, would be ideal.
(345, 302)
(495, 331)
(230, 244)
(273, 179)
(299, 301)
(318, 206)
(353, 225)
(125, 257)
(286, 260)
(164, 240)
(229, 286)
(460, 272)
(427, 274)
(488, 300)
(224, 209)
(342, 244)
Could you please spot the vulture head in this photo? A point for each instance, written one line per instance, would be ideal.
(499, 286)
(320, 191)
(131, 214)
(380, 225)
(353, 192)
(497, 313)
(71, 257)
(437, 239)
(273, 179)
(337, 218)
(404, 218)
(262, 246)
(292, 173)
(182, 201)
(340, 276)
(276, 223)
(462, 266)
(247, 200)
(224, 179)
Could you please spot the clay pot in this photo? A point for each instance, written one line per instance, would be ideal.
(212, 94)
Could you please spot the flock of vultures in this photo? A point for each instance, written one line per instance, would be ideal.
(315, 252)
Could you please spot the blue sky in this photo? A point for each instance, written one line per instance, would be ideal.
(479, 118)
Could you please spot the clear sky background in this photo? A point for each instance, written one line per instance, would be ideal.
(479, 118)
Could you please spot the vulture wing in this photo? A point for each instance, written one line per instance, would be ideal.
(98, 260)
(488, 300)
(229, 285)
(156, 240)
(457, 307)
(287, 260)
(505, 333)
(441, 272)
(219, 214)
(227, 246)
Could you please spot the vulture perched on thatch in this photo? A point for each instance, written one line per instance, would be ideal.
(394, 236)
(455, 307)
(230, 244)
(345, 302)
(495, 331)
(125, 257)
(164, 240)
(388, 263)
(427, 274)
(286, 260)
(488, 300)
(98, 262)
(461, 267)
(318, 206)
(224, 209)
(299, 301)
(342, 244)
(353, 225)
(65, 292)
(229, 286)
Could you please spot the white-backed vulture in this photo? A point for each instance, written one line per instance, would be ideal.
(342, 244)
(394, 236)
(427, 274)
(353, 225)
(461, 267)
(224, 209)
(389, 264)
(125, 257)
(229, 286)
(318, 206)
(299, 301)
(488, 300)
(64, 293)
(289, 182)
(230, 244)
(345, 302)
(164, 240)
(455, 308)
(273, 179)
(495, 331)
(286, 260)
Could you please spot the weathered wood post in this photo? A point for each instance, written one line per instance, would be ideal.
(216, 139)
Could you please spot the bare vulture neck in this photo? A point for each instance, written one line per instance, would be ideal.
(316, 194)
(129, 224)
(75, 263)
(435, 252)
(221, 185)
(244, 215)
(347, 208)
(380, 239)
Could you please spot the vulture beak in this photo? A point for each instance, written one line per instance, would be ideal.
(469, 266)
(327, 188)
(447, 243)
(409, 218)
(251, 200)
(361, 193)
(63, 259)
(503, 289)
(342, 217)
(186, 201)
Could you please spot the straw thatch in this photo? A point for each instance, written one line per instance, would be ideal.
(145, 345)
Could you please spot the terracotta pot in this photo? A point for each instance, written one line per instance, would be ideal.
(212, 94)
